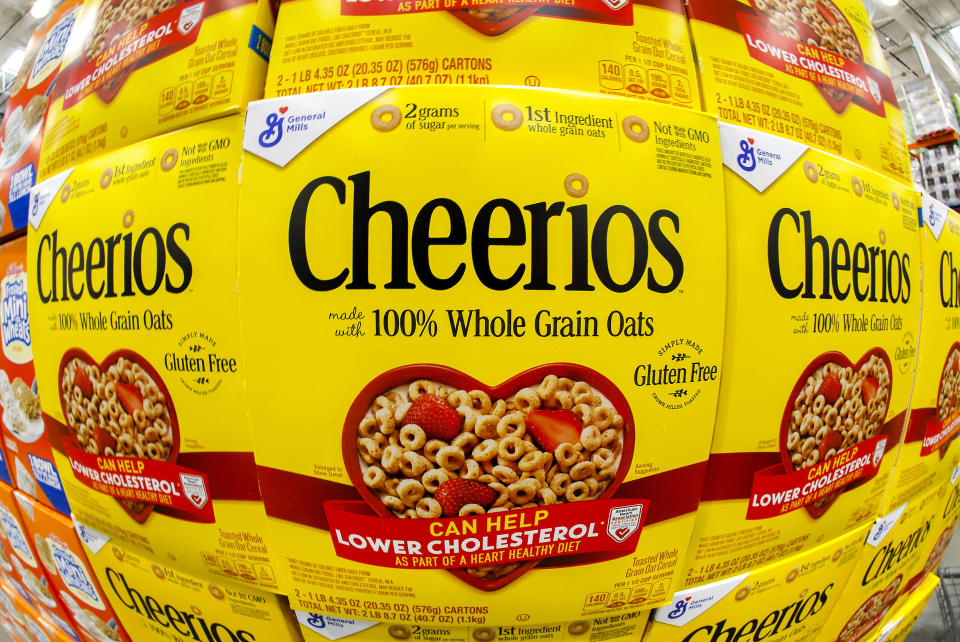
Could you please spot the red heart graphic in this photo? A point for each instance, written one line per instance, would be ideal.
(830, 13)
(859, 627)
(456, 379)
(840, 359)
(750, 140)
(130, 395)
(283, 110)
(495, 27)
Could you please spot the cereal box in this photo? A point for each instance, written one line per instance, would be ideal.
(27, 567)
(788, 600)
(29, 456)
(24, 623)
(22, 126)
(901, 622)
(158, 601)
(133, 257)
(929, 456)
(133, 70)
(639, 49)
(516, 472)
(812, 71)
(824, 308)
(65, 564)
(319, 628)
(901, 550)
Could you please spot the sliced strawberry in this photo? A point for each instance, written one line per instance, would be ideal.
(956, 363)
(832, 441)
(828, 15)
(82, 381)
(456, 493)
(550, 428)
(869, 389)
(437, 418)
(830, 387)
(129, 397)
(104, 440)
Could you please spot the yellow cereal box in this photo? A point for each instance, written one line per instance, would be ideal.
(901, 622)
(812, 71)
(929, 457)
(431, 628)
(822, 320)
(135, 70)
(788, 600)
(639, 49)
(161, 602)
(899, 553)
(138, 345)
(499, 337)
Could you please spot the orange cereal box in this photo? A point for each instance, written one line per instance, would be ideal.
(65, 565)
(160, 602)
(27, 565)
(812, 71)
(824, 307)
(639, 49)
(143, 378)
(22, 126)
(132, 71)
(29, 456)
(436, 475)
(433, 628)
(930, 455)
(788, 600)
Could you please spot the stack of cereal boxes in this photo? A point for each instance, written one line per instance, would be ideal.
(449, 342)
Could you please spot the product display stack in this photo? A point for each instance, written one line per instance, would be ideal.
(462, 322)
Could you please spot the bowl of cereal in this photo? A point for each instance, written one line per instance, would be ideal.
(834, 405)
(948, 393)
(119, 407)
(427, 441)
(870, 612)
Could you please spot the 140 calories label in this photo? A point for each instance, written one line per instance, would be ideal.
(608, 526)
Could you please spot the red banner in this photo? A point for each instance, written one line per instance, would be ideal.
(166, 32)
(493, 538)
(937, 434)
(623, 11)
(776, 491)
(812, 63)
(144, 480)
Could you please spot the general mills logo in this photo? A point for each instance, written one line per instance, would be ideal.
(316, 621)
(748, 159)
(879, 531)
(679, 609)
(274, 130)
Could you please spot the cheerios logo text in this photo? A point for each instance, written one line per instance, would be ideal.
(168, 616)
(771, 624)
(891, 554)
(949, 281)
(119, 265)
(872, 273)
(528, 225)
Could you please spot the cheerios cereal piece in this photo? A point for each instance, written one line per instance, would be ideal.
(486, 450)
(566, 455)
(385, 420)
(386, 118)
(560, 483)
(419, 388)
(429, 508)
(546, 496)
(471, 469)
(410, 491)
(391, 459)
(450, 458)
(465, 441)
(486, 426)
(523, 491)
(507, 117)
(394, 503)
(505, 474)
(603, 458)
(526, 400)
(636, 129)
(511, 448)
(412, 437)
(591, 438)
(471, 509)
(374, 477)
(432, 479)
(534, 460)
(583, 470)
(431, 448)
(413, 464)
(480, 401)
(577, 492)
